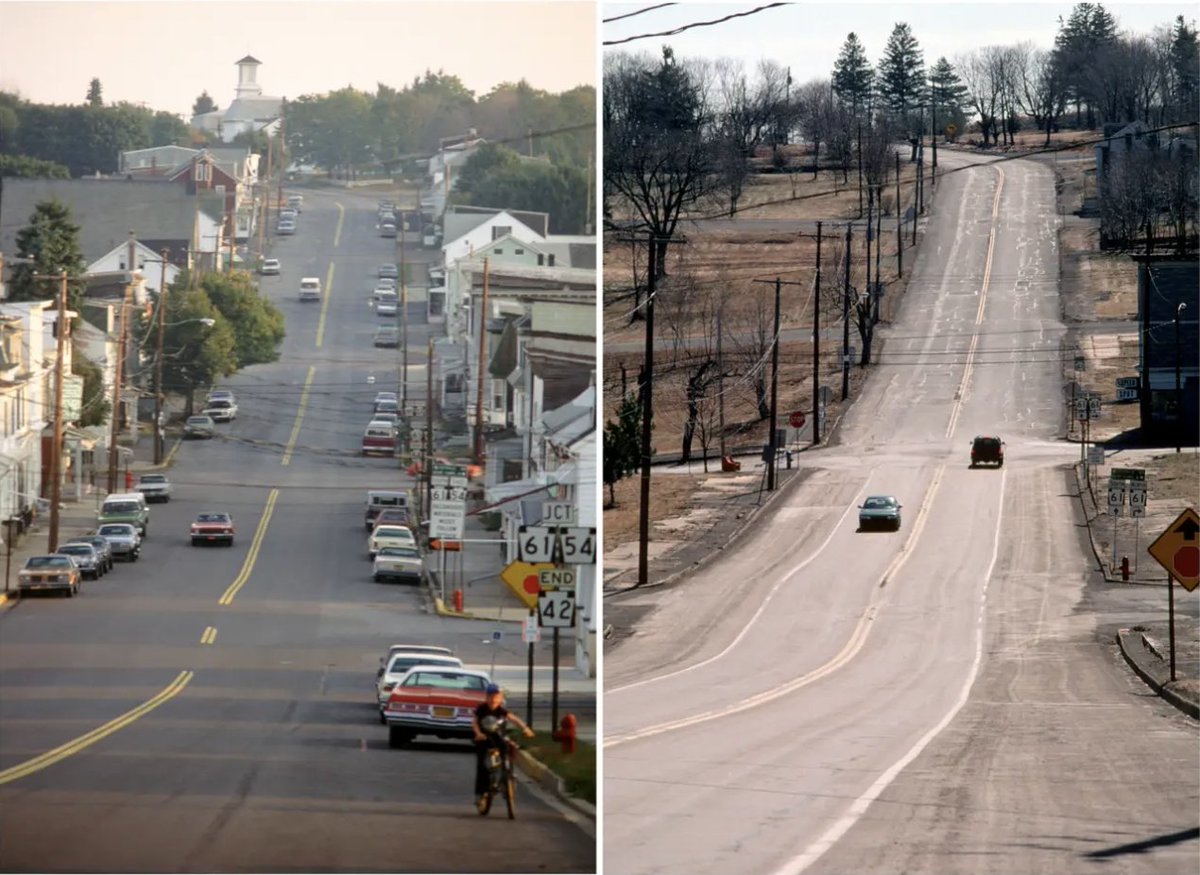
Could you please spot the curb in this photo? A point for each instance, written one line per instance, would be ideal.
(1188, 707)
(543, 776)
(439, 608)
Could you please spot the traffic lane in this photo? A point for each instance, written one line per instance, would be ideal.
(820, 597)
(791, 766)
(1059, 762)
(266, 785)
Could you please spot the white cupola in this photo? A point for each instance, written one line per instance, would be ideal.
(247, 73)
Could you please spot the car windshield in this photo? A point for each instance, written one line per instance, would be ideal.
(987, 443)
(404, 663)
(81, 549)
(878, 502)
(120, 507)
(220, 403)
(392, 532)
(445, 680)
(48, 562)
(400, 552)
(116, 530)
(212, 518)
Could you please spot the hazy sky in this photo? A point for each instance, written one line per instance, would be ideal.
(164, 53)
(808, 36)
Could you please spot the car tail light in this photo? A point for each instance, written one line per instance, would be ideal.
(387, 688)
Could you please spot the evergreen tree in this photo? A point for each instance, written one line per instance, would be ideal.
(902, 72)
(1078, 44)
(948, 95)
(852, 74)
(203, 104)
(94, 97)
(1185, 63)
(622, 444)
(51, 242)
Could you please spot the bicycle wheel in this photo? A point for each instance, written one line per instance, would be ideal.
(486, 805)
(510, 794)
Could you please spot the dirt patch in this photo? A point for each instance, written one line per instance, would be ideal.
(1173, 477)
(670, 496)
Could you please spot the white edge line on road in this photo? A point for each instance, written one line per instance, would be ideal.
(814, 851)
(746, 629)
(849, 650)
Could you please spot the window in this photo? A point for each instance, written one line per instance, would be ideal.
(518, 252)
(499, 251)
(551, 262)
(203, 171)
(541, 259)
(499, 231)
(499, 388)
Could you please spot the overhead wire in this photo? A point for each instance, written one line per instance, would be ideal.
(685, 27)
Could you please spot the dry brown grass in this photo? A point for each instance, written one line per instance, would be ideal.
(670, 495)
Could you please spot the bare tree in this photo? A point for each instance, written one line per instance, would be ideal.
(983, 72)
(751, 334)
(689, 309)
(1040, 90)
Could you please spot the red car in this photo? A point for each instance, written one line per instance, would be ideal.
(434, 700)
(213, 528)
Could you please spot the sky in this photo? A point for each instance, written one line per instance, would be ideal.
(164, 53)
(808, 36)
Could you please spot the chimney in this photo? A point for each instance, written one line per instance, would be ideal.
(130, 262)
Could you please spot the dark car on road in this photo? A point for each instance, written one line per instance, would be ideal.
(103, 550)
(987, 450)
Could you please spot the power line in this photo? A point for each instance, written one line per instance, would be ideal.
(638, 12)
(684, 27)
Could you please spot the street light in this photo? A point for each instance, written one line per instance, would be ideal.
(1178, 390)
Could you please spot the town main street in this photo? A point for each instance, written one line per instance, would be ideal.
(261, 750)
(925, 701)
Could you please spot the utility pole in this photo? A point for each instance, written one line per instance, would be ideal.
(771, 475)
(427, 462)
(720, 377)
(647, 390)
(916, 198)
(933, 141)
(860, 174)
(899, 225)
(846, 322)
(403, 325)
(158, 367)
(482, 367)
(870, 230)
(118, 377)
(816, 408)
(264, 190)
(1178, 390)
(878, 247)
(921, 177)
(62, 326)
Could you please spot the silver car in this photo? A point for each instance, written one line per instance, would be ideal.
(126, 544)
(103, 550)
(86, 557)
(199, 427)
(156, 487)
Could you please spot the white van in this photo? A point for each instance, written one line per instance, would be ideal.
(310, 289)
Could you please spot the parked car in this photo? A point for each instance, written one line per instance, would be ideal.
(384, 396)
(387, 336)
(433, 700)
(879, 510)
(396, 516)
(388, 271)
(380, 500)
(397, 667)
(390, 535)
(415, 648)
(124, 539)
(212, 528)
(52, 572)
(221, 410)
(387, 229)
(103, 550)
(392, 418)
(295, 201)
(126, 507)
(386, 303)
(86, 557)
(269, 267)
(387, 405)
(199, 427)
(285, 228)
(156, 487)
(987, 450)
(287, 214)
(220, 394)
(398, 563)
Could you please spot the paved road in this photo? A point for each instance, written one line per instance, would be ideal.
(270, 756)
(940, 699)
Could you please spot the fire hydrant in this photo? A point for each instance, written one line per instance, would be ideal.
(1124, 568)
(458, 601)
(128, 481)
(566, 733)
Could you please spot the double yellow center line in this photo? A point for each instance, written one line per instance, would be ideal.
(252, 554)
(72, 747)
(291, 444)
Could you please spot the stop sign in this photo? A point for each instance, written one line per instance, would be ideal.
(796, 420)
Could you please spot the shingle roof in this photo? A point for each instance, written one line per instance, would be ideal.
(249, 59)
(106, 210)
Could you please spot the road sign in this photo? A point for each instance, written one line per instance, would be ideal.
(1080, 363)
(440, 470)
(450, 494)
(532, 632)
(1178, 549)
(1127, 394)
(538, 543)
(522, 579)
(1094, 407)
(825, 395)
(558, 513)
(557, 578)
(1136, 474)
(1137, 500)
(556, 610)
(797, 419)
(1116, 499)
(446, 519)
(1128, 382)
(1081, 409)
(1095, 455)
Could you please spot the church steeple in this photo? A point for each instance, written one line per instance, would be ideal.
(247, 71)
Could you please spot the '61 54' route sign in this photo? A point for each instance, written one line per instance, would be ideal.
(1178, 549)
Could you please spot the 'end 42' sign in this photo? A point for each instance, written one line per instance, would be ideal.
(542, 544)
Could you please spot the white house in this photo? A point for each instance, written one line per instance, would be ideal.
(145, 259)
(25, 381)
(250, 110)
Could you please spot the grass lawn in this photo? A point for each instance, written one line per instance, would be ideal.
(578, 770)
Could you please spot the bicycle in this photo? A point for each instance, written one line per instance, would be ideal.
(499, 762)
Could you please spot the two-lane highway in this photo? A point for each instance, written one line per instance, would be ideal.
(210, 709)
(925, 701)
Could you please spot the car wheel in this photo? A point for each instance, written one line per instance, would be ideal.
(195, 543)
(229, 543)
(382, 719)
(398, 737)
(377, 577)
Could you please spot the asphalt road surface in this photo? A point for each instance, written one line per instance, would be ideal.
(933, 700)
(262, 750)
